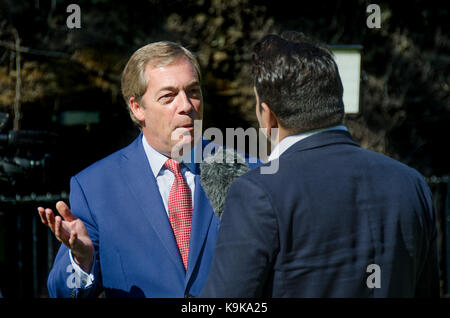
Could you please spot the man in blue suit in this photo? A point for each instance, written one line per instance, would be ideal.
(335, 220)
(118, 235)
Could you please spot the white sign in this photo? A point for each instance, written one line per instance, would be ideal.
(348, 61)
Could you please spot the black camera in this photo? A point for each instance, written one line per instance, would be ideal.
(24, 158)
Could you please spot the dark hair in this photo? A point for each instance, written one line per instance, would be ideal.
(299, 80)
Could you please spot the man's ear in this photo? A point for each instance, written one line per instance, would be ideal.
(136, 108)
(268, 118)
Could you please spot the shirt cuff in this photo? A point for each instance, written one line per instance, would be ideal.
(85, 280)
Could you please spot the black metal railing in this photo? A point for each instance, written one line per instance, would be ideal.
(27, 248)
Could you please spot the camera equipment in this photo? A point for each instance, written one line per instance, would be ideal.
(24, 157)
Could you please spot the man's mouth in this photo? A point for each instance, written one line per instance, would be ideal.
(188, 126)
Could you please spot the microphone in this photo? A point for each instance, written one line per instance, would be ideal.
(217, 173)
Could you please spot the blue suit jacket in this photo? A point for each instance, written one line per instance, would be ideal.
(118, 200)
(314, 228)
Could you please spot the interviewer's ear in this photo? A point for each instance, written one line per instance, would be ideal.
(268, 118)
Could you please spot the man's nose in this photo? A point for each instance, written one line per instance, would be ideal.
(185, 105)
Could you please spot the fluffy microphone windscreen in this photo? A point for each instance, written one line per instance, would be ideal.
(217, 172)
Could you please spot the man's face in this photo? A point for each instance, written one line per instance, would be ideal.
(172, 101)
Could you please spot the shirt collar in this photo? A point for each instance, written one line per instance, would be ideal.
(157, 159)
(288, 141)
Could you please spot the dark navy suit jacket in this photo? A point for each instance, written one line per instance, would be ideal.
(314, 228)
(136, 254)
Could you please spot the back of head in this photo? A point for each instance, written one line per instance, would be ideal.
(134, 81)
(299, 80)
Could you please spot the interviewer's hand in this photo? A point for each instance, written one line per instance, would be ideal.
(71, 232)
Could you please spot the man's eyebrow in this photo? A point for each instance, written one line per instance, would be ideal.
(172, 88)
(192, 84)
(167, 88)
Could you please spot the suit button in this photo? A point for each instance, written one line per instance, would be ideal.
(189, 296)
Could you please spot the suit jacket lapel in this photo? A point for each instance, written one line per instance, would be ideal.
(142, 183)
(202, 214)
(201, 220)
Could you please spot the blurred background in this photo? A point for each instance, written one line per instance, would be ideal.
(61, 106)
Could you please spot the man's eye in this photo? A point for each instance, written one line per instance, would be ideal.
(195, 93)
(166, 98)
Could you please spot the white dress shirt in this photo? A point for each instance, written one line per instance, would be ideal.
(288, 141)
(164, 179)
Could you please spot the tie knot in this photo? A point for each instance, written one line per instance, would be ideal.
(173, 166)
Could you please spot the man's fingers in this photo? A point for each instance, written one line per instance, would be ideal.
(60, 233)
(65, 212)
(50, 219)
(72, 239)
(41, 212)
(58, 228)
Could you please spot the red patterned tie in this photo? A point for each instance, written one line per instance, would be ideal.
(180, 209)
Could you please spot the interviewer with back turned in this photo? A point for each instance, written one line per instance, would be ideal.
(334, 213)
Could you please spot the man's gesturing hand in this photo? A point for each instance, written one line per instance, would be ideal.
(71, 232)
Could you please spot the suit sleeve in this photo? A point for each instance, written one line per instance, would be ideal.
(246, 245)
(62, 282)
